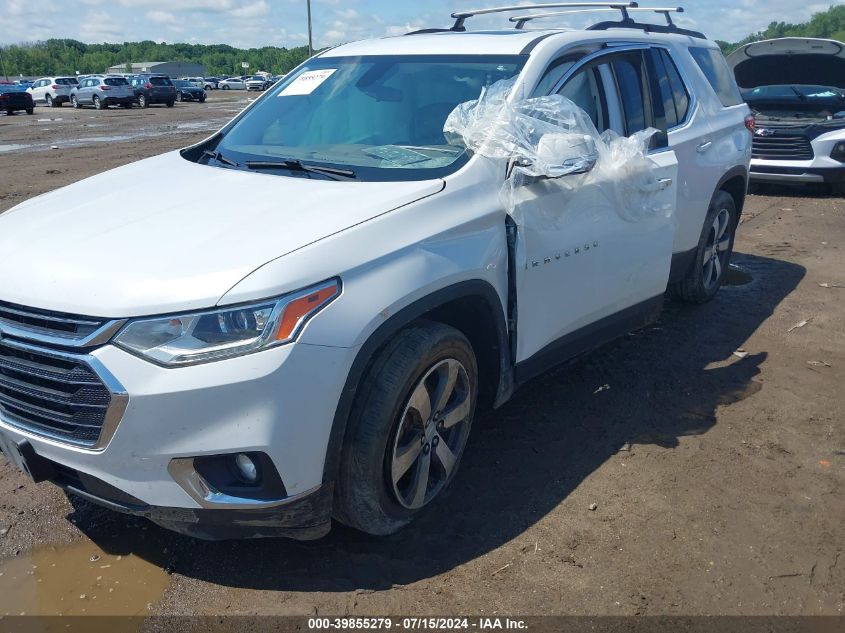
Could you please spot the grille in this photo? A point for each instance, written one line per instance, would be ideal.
(60, 396)
(785, 147)
(66, 326)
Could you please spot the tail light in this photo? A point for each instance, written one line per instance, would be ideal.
(105, 87)
(55, 86)
(750, 123)
(148, 86)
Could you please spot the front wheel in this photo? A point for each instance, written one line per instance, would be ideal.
(74, 102)
(407, 429)
(713, 254)
(225, 87)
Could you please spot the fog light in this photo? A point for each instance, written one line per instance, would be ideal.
(247, 468)
(838, 152)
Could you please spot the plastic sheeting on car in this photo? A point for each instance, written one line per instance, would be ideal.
(549, 137)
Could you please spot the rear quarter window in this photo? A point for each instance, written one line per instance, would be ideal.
(715, 68)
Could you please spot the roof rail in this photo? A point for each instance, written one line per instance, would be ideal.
(648, 28)
(461, 16)
(521, 20)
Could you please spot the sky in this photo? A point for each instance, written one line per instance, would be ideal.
(254, 23)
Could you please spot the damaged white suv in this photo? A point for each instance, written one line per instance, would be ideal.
(434, 219)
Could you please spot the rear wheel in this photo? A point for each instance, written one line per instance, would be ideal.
(408, 428)
(142, 101)
(30, 110)
(127, 104)
(98, 104)
(48, 101)
(170, 104)
(713, 253)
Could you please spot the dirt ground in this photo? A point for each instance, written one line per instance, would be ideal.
(712, 444)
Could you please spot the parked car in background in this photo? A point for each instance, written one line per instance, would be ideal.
(102, 92)
(150, 89)
(186, 91)
(257, 82)
(196, 82)
(210, 83)
(795, 87)
(14, 98)
(52, 91)
(25, 83)
(233, 83)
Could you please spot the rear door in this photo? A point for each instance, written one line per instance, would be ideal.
(38, 90)
(589, 263)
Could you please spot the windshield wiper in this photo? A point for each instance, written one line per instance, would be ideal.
(296, 165)
(220, 158)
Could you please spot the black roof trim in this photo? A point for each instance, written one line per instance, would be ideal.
(648, 28)
(424, 31)
(533, 43)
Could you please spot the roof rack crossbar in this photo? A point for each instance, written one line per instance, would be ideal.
(522, 20)
(460, 17)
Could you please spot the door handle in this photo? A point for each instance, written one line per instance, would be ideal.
(664, 183)
(703, 147)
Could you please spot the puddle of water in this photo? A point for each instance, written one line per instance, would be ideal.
(11, 147)
(736, 276)
(79, 579)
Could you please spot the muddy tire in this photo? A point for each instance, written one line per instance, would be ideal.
(48, 101)
(407, 429)
(142, 101)
(98, 103)
(75, 102)
(713, 254)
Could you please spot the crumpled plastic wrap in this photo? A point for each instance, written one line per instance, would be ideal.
(549, 137)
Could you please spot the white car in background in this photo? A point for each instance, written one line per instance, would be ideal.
(795, 87)
(196, 82)
(52, 91)
(233, 83)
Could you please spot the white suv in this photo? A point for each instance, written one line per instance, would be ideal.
(259, 365)
(52, 91)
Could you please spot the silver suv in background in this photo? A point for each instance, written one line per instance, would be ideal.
(102, 92)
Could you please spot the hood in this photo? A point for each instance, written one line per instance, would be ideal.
(165, 234)
(789, 60)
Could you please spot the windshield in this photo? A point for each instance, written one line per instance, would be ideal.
(797, 93)
(380, 116)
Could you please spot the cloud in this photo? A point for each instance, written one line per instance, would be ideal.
(100, 26)
(253, 10)
(162, 17)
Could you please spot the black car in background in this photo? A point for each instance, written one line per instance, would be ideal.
(14, 97)
(186, 92)
(150, 89)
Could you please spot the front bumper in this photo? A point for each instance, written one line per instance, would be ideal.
(280, 402)
(821, 168)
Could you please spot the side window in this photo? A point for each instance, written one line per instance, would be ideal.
(628, 71)
(680, 94)
(665, 115)
(715, 68)
(585, 90)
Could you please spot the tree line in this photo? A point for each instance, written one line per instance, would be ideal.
(66, 56)
(828, 24)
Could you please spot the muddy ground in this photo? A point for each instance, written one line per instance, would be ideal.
(712, 444)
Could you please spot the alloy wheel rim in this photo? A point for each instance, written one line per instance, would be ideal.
(716, 250)
(432, 433)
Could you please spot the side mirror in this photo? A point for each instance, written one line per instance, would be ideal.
(560, 154)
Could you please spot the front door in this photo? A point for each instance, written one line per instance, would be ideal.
(592, 253)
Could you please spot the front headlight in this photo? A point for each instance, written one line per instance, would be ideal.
(186, 339)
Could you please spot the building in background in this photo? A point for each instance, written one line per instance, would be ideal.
(172, 69)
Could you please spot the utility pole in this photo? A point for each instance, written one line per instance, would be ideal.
(4, 63)
(310, 41)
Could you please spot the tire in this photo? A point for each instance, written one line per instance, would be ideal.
(75, 102)
(9, 112)
(837, 189)
(142, 101)
(127, 105)
(377, 491)
(225, 87)
(98, 103)
(704, 278)
(30, 110)
(48, 101)
(180, 97)
(202, 99)
(169, 104)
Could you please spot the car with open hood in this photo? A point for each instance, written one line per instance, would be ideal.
(404, 230)
(796, 89)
